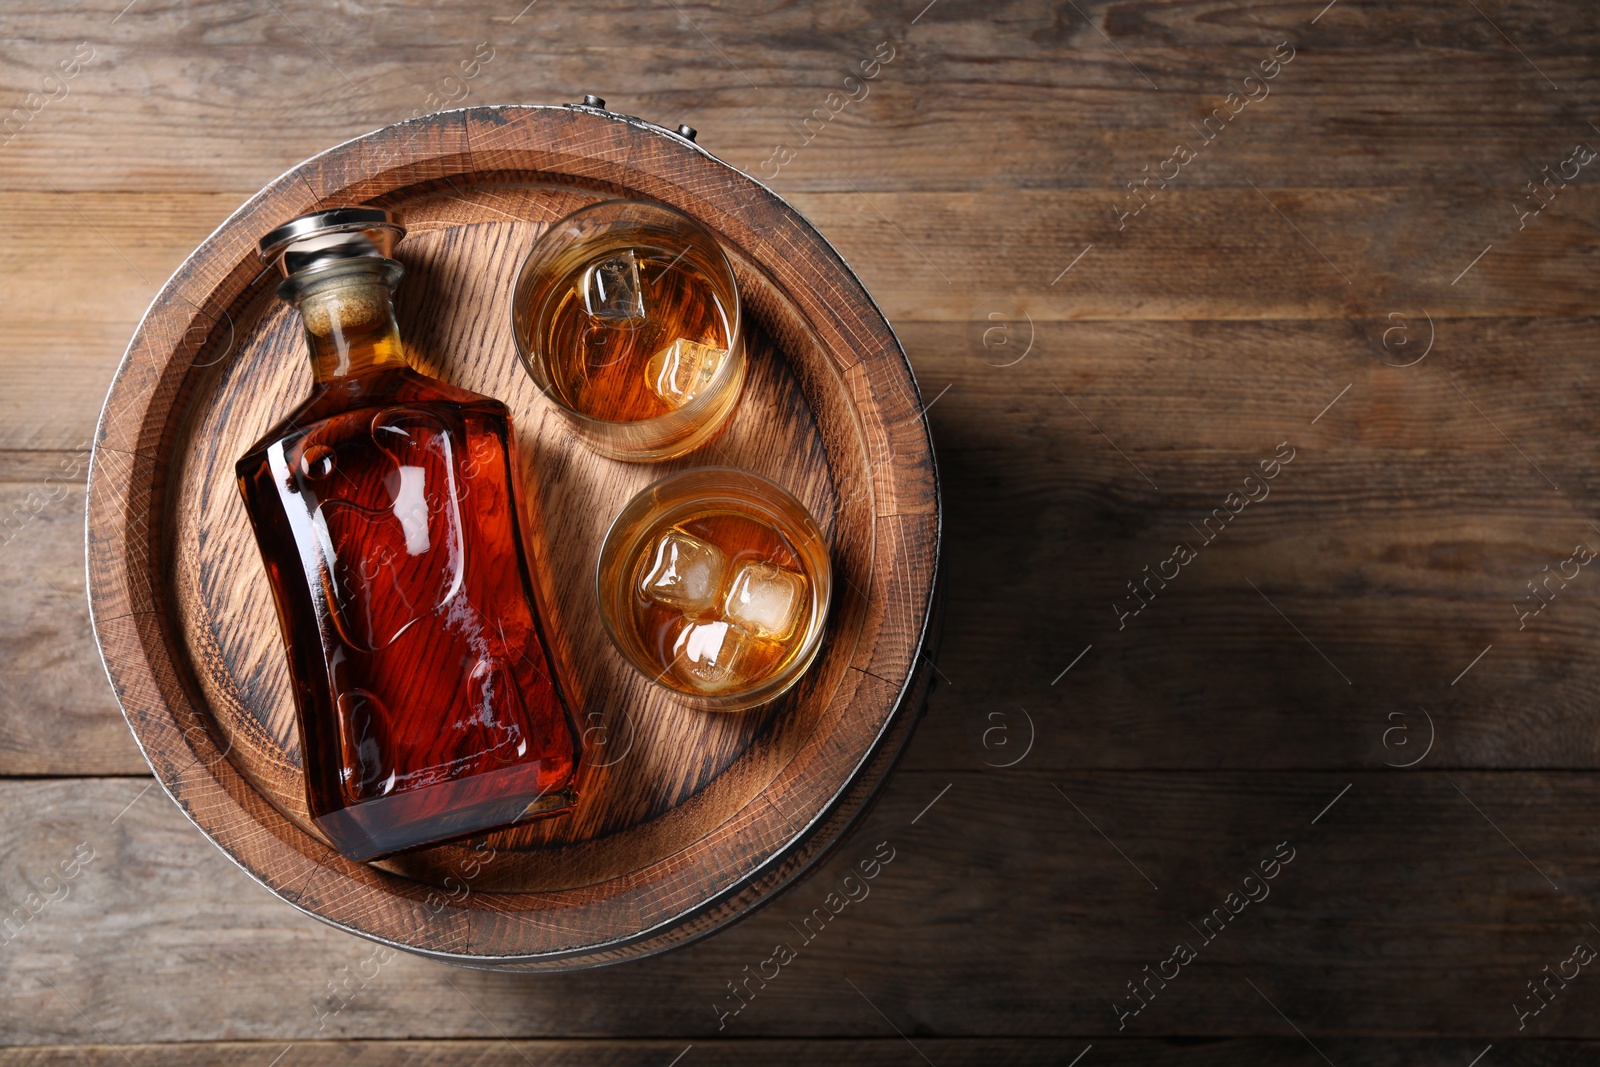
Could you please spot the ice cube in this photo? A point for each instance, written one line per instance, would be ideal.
(681, 370)
(765, 600)
(709, 656)
(686, 573)
(611, 289)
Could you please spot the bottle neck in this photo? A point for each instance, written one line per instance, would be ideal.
(350, 325)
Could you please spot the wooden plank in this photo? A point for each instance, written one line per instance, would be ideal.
(60, 716)
(1425, 516)
(1398, 882)
(1240, 260)
(1288, 1051)
(1026, 90)
(1397, 498)
(1191, 254)
(48, 467)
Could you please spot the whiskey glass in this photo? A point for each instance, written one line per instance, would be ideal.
(626, 315)
(715, 583)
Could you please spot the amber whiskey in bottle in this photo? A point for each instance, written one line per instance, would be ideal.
(384, 508)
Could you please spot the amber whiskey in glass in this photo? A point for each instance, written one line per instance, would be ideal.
(384, 508)
(715, 583)
(626, 314)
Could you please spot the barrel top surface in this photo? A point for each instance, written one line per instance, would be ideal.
(685, 819)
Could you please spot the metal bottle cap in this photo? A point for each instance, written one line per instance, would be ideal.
(324, 237)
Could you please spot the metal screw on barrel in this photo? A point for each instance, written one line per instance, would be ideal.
(684, 130)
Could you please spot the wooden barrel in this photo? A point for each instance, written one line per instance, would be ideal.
(685, 820)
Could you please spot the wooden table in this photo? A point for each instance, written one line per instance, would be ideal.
(1343, 677)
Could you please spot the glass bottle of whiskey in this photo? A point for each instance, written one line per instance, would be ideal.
(383, 506)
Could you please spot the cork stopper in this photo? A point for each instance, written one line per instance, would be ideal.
(348, 307)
